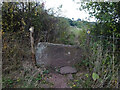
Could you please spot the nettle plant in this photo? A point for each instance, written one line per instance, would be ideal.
(102, 66)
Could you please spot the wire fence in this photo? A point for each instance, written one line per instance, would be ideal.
(106, 49)
(108, 42)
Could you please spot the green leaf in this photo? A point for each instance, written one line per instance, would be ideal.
(95, 76)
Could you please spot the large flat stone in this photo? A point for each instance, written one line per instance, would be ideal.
(67, 70)
(57, 55)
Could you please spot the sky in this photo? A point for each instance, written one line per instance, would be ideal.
(69, 9)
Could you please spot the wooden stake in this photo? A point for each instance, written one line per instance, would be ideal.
(32, 45)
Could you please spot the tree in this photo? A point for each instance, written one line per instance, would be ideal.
(107, 15)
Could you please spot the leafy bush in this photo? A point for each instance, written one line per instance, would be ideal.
(102, 66)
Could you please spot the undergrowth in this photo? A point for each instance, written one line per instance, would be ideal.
(102, 64)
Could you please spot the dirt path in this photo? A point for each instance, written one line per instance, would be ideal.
(58, 80)
(32, 77)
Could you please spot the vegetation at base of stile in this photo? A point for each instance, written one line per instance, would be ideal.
(97, 57)
(25, 82)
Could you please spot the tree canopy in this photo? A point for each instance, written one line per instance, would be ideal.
(107, 15)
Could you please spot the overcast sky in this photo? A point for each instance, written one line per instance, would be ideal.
(69, 9)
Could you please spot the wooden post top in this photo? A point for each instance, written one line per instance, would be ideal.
(31, 29)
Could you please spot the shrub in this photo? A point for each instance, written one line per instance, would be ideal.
(102, 65)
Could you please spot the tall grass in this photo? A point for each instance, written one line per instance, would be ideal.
(101, 61)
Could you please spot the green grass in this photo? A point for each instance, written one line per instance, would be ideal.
(75, 30)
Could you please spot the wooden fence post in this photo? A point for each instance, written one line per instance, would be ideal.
(32, 45)
(88, 38)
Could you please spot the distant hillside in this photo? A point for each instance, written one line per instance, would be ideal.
(79, 23)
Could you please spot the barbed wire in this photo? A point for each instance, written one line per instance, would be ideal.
(101, 36)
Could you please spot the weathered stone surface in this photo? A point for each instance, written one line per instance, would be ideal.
(57, 55)
(67, 70)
